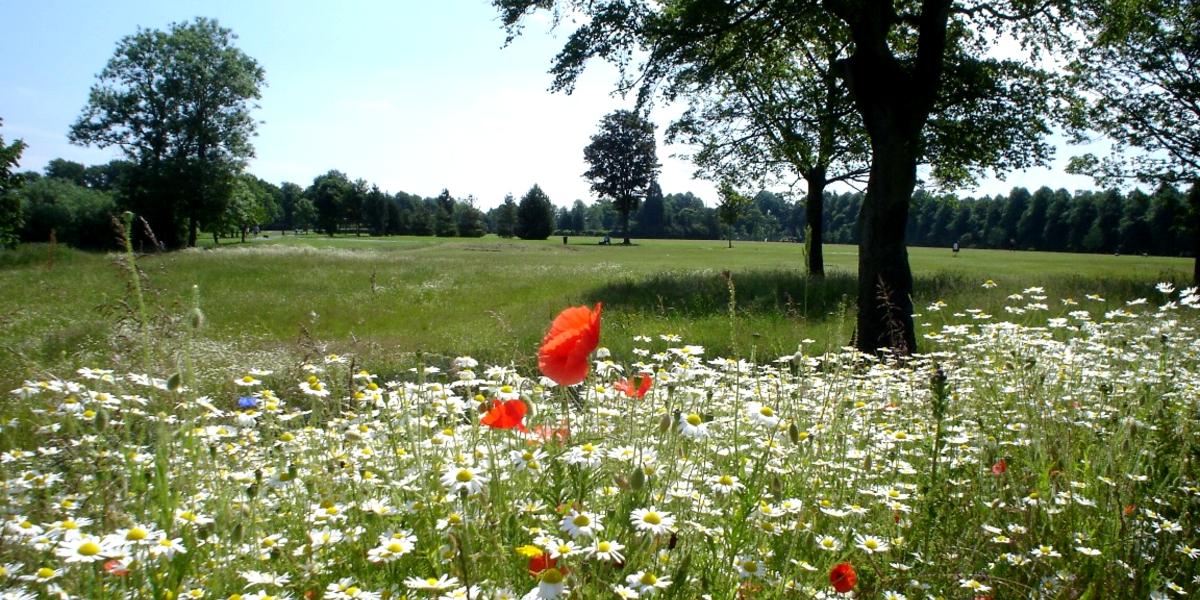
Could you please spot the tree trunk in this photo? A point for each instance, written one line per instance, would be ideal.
(885, 281)
(1194, 200)
(243, 234)
(814, 215)
(730, 236)
(625, 226)
(193, 229)
(216, 240)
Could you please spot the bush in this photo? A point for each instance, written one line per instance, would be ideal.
(79, 216)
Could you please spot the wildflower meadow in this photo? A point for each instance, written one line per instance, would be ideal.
(1033, 453)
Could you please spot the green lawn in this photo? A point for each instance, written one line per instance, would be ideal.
(394, 301)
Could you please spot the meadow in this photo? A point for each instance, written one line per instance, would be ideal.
(353, 418)
(398, 301)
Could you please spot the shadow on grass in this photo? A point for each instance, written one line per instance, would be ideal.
(791, 292)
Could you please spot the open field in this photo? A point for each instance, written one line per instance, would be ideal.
(1051, 457)
(388, 299)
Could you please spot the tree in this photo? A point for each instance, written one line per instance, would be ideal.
(443, 217)
(918, 77)
(327, 193)
(77, 215)
(290, 195)
(759, 115)
(623, 162)
(1141, 75)
(67, 169)
(375, 211)
(10, 204)
(470, 220)
(733, 206)
(304, 214)
(535, 215)
(178, 104)
(506, 217)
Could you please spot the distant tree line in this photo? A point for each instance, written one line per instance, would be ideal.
(78, 201)
(1058, 221)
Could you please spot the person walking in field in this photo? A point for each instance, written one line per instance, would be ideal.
(955, 248)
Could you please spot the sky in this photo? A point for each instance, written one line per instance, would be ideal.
(412, 95)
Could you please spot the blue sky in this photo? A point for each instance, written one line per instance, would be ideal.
(412, 95)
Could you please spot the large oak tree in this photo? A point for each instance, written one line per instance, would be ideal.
(919, 76)
(177, 102)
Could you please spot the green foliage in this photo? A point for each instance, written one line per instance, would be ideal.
(444, 224)
(328, 193)
(177, 102)
(1140, 86)
(622, 161)
(733, 205)
(79, 216)
(10, 206)
(470, 220)
(506, 218)
(535, 215)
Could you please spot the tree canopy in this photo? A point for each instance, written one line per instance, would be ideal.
(623, 161)
(918, 75)
(178, 103)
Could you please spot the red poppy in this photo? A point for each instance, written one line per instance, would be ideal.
(115, 567)
(575, 332)
(843, 577)
(1000, 467)
(547, 433)
(505, 415)
(636, 387)
(542, 562)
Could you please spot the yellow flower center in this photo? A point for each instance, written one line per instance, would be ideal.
(429, 581)
(649, 579)
(604, 546)
(45, 572)
(581, 521)
(395, 547)
(766, 411)
(871, 544)
(750, 566)
(136, 534)
(89, 549)
(652, 518)
(69, 524)
(694, 420)
(247, 379)
(552, 576)
(726, 480)
(464, 476)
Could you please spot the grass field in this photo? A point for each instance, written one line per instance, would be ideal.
(1048, 446)
(388, 299)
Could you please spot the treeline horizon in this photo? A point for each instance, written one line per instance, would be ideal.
(77, 202)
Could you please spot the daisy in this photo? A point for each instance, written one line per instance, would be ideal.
(651, 521)
(247, 381)
(646, 582)
(607, 550)
(1044, 551)
(870, 544)
(82, 548)
(562, 548)
(551, 585)
(625, 592)
(439, 584)
(693, 426)
(829, 543)
(581, 524)
(464, 478)
(725, 484)
(762, 414)
(392, 547)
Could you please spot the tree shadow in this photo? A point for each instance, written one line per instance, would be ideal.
(778, 291)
